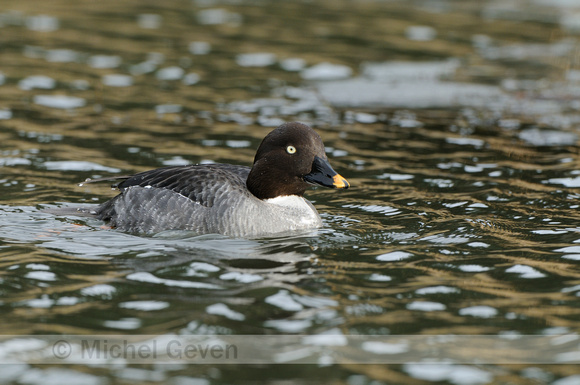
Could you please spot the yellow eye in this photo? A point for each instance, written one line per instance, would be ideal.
(290, 149)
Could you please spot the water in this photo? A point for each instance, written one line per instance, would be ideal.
(454, 122)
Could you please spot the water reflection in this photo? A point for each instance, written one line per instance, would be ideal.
(454, 122)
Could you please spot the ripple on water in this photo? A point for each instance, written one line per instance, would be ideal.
(8, 162)
(176, 161)
(524, 271)
(128, 323)
(258, 59)
(100, 290)
(420, 33)
(168, 109)
(284, 300)
(37, 81)
(473, 268)
(394, 256)
(199, 47)
(466, 141)
(224, 310)
(149, 21)
(59, 101)
(377, 347)
(42, 23)
(568, 182)
(426, 306)
(410, 71)
(104, 61)
(479, 311)
(5, 113)
(445, 240)
(293, 64)
(326, 71)
(385, 210)
(361, 92)
(437, 290)
(289, 325)
(574, 257)
(41, 275)
(396, 177)
(456, 374)
(379, 278)
(78, 165)
(537, 137)
(191, 78)
(117, 80)
(217, 16)
(62, 56)
(144, 305)
(200, 269)
(170, 73)
(150, 278)
(54, 376)
(143, 68)
(241, 277)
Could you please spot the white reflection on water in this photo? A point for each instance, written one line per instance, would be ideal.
(326, 71)
(117, 80)
(258, 59)
(479, 311)
(456, 374)
(150, 278)
(199, 48)
(223, 310)
(394, 256)
(437, 290)
(538, 137)
(59, 101)
(426, 306)
(149, 21)
(284, 300)
(100, 290)
(215, 16)
(5, 113)
(191, 79)
(144, 305)
(410, 71)
(473, 268)
(78, 165)
(361, 92)
(420, 33)
(56, 376)
(37, 81)
(525, 271)
(104, 61)
(170, 73)
(42, 23)
(293, 64)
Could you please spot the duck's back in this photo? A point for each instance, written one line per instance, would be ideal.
(181, 197)
(202, 198)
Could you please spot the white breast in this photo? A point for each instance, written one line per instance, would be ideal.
(295, 209)
(289, 201)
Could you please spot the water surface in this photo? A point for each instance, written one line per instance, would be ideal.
(454, 122)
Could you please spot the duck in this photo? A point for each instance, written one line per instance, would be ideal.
(226, 199)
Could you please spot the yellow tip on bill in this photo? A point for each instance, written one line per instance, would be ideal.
(340, 182)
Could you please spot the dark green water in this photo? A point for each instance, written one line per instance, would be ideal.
(455, 122)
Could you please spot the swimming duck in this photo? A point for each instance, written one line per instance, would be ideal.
(227, 199)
